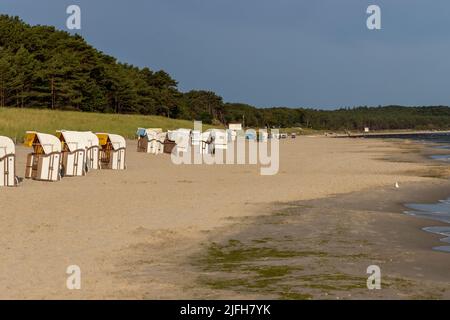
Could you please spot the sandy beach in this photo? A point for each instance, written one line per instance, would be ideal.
(143, 233)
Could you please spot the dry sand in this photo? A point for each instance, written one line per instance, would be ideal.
(133, 232)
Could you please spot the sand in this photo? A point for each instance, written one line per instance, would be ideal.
(133, 233)
(321, 249)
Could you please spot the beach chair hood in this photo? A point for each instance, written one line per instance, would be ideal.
(183, 138)
(156, 130)
(74, 140)
(184, 131)
(172, 135)
(152, 133)
(117, 141)
(91, 139)
(141, 132)
(49, 143)
(161, 136)
(6, 146)
(179, 136)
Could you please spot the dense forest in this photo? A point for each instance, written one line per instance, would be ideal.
(41, 67)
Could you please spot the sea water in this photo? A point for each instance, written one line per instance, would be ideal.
(439, 211)
(435, 211)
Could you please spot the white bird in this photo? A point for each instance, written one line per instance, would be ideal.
(397, 185)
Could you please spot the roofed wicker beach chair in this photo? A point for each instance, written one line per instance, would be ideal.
(206, 143)
(219, 139)
(112, 152)
(181, 138)
(73, 153)
(147, 140)
(7, 163)
(44, 163)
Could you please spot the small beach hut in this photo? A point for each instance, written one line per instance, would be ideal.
(169, 142)
(147, 140)
(44, 162)
(181, 138)
(206, 143)
(112, 152)
(219, 139)
(142, 143)
(73, 153)
(7, 162)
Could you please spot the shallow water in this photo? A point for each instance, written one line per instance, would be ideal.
(436, 211)
(439, 211)
(441, 157)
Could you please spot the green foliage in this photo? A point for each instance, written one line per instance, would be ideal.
(41, 66)
(379, 118)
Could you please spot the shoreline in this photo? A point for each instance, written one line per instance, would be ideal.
(392, 133)
(329, 263)
(425, 275)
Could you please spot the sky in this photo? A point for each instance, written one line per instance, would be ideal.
(294, 53)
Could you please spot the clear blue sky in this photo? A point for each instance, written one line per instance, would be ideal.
(309, 53)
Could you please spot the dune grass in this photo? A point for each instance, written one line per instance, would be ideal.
(15, 121)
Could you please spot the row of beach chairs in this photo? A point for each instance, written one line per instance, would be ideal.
(155, 141)
(74, 153)
(65, 154)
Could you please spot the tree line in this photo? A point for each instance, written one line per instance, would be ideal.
(41, 67)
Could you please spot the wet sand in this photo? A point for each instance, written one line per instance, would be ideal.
(146, 232)
(321, 249)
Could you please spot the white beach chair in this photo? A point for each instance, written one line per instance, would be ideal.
(91, 146)
(44, 163)
(113, 151)
(182, 139)
(219, 139)
(160, 139)
(147, 140)
(206, 143)
(73, 153)
(142, 143)
(7, 162)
